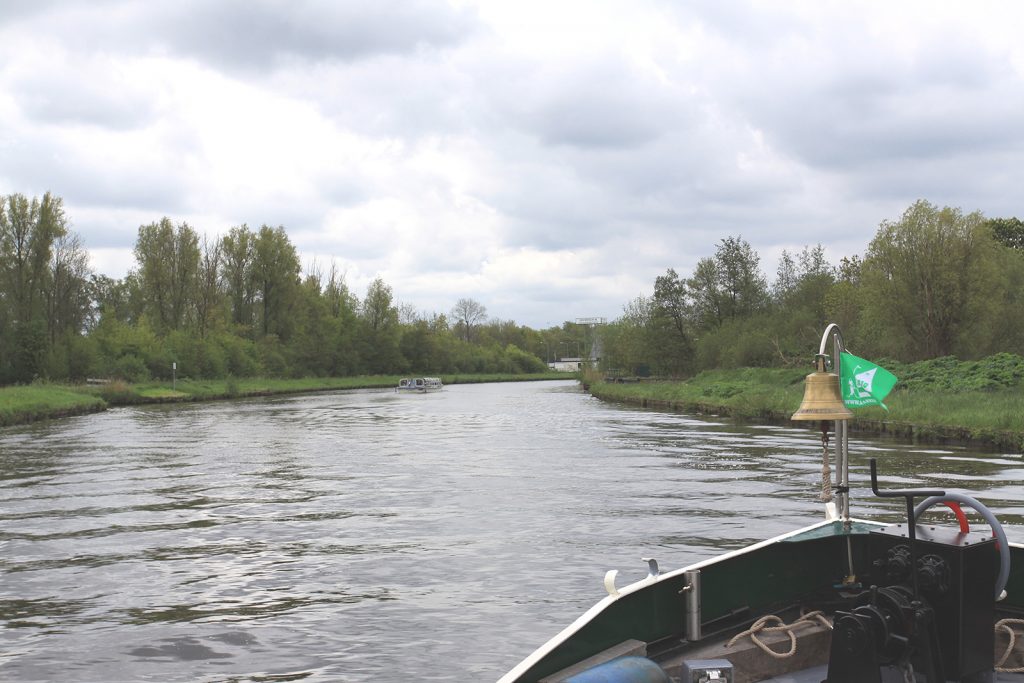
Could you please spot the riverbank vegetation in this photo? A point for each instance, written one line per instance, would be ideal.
(21, 404)
(981, 401)
(35, 402)
(936, 285)
(236, 305)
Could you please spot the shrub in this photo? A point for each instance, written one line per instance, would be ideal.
(130, 368)
(118, 393)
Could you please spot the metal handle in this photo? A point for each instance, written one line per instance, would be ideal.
(909, 495)
(898, 493)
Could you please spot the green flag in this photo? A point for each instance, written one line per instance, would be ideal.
(863, 382)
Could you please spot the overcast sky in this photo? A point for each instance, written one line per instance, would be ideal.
(548, 159)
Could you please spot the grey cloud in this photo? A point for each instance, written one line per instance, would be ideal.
(918, 125)
(388, 96)
(604, 118)
(866, 103)
(108, 231)
(40, 164)
(786, 126)
(758, 25)
(606, 103)
(549, 211)
(259, 35)
(975, 183)
(428, 252)
(16, 10)
(82, 98)
(687, 180)
(252, 36)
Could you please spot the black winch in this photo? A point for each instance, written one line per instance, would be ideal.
(930, 607)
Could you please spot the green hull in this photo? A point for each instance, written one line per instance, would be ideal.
(735, 589)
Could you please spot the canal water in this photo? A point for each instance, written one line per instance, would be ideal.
(368, 536)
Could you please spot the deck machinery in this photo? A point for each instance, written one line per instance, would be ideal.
(929, 605)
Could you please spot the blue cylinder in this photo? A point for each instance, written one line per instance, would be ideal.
(623, 670)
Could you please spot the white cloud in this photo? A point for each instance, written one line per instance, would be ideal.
(548, 160)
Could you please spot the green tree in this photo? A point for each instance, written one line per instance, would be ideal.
(844, 304)
(743, 286)
(708, 299)
(379, 341)
(798, 301)
(28, 231)
(117, 299)
(68, 295)
(168, 259)
(275, 274)
(68, 308)
(785, 278)
(237, 257)
(313, 344)
(1008, 231)
(209, 290)
(343, 308)
(930, 281)
(729, 285)
(126, 351)
(378, 310)
(1007, 331)
(419, 346)
(627, 347)
(516, 360)
(468, 314)
(671, 321)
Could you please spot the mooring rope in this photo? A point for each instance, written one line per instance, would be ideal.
(1007, 625)
(761, 626)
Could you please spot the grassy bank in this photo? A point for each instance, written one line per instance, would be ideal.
(991, 419)
(23, 404)
(39, 402)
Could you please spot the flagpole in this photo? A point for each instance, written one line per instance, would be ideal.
(842, 428)
(842, 442)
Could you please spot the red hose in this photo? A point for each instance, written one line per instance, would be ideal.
(965, 527)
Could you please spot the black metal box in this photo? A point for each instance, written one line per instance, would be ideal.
(965, 606)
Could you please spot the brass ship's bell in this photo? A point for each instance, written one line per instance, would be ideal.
(822, 397)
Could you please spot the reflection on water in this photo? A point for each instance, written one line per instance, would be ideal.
(366, 536)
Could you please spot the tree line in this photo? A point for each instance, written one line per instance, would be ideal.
(936, 282)
(238, 305)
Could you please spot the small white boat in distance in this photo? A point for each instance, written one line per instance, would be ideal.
(419, 385)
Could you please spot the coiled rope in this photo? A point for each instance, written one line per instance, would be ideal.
(818, 617)
(1007, 626)
(762, 626)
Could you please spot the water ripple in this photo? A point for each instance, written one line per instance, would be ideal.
(356, 535)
